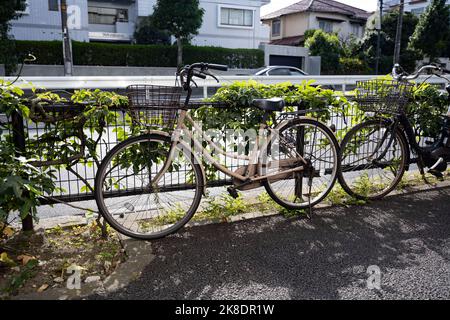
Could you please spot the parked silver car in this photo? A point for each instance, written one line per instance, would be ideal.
(281, 71)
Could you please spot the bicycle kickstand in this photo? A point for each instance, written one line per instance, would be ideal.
(310, 212)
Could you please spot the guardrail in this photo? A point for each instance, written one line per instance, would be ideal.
(343, 83)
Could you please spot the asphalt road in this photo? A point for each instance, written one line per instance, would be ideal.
(407, 237)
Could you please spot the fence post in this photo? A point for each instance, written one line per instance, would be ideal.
(18, 132)
(300, 148)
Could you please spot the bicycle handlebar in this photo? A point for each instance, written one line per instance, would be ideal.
(199, 75)
(219, 67)
(403, 76)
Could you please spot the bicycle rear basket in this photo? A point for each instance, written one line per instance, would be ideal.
(154, 106)
(383, 96)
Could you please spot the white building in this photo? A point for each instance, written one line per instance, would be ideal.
(414, 6)
(288, 25)
(226, 23)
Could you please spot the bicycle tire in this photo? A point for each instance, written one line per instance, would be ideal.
(335, 151)
(404, 147)
(100, 180)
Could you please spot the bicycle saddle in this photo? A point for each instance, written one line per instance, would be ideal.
(273, 104)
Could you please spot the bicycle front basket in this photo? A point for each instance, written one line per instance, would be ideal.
(154, 106)
(383, 96)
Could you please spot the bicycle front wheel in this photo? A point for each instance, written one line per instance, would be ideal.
(298, 139)
(373, 160)
(147, 188)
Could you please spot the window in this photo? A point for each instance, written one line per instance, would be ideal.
(107, 15)
(276, 28)
(295, 72)
(326, 25)
(236, 17)
(53, 5)
(280, 72)
(418, 11)
(357, 30)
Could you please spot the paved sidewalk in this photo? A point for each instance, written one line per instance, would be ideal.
(406, 236)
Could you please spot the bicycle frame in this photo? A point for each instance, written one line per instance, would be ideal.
(251, 175)
(402, 123)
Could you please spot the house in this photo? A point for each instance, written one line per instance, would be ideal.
(226, 23)
(288, 25)
(416, 7)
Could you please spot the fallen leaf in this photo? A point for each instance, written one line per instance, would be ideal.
(7, 260)
(8, 231)
(42, 288)
(58, 280)
(25, 259)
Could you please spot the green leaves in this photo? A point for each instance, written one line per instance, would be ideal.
(22, 185)
(426, 110)
(432, 33)
(327, 46)
(241, 115)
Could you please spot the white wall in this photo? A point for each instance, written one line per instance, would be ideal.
(41, 24)
(145, 7)
(411, 7)
(231, 37)
(211, 34)
(38, 23)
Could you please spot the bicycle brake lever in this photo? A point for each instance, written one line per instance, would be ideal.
(211, 75)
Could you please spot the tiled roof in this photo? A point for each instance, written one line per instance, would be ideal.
(326, 6)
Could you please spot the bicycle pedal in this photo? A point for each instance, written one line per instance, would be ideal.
(233, 192)
(437, 174)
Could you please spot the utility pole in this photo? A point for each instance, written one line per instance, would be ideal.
(377, 65)
(398, 37)
(67, 45)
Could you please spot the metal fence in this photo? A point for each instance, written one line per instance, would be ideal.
(73, 180)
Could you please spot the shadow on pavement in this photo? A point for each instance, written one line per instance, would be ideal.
(326, 258)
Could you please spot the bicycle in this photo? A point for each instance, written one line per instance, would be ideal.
(151, 185)
(375, 154)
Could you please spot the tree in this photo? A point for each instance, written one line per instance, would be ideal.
(368, 47)
(8, 11)
(147, 33)
(181, 18)
(432, 33)
(328, 47)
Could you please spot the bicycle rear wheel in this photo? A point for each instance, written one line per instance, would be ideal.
(314, 142)
(137, 204)
(373, 159)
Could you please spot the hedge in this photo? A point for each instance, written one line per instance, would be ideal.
(353, 66)
(106, 54)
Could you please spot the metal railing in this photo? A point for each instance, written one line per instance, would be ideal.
(342, 83)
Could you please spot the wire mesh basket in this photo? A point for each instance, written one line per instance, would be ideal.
(383, 96)
(154, 106)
